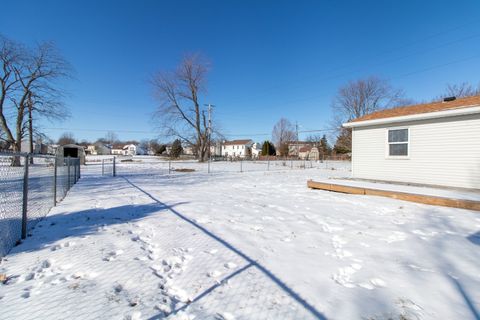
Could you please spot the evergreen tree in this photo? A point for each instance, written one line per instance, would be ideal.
(344, 141)
(265, 148)
(176, 149)
(268, 149)
(324, 148)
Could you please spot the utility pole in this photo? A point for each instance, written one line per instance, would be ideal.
(296, 135)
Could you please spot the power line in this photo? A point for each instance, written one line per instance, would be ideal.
(151, 132)
(269, 134)
(383, 53)
(100, 130)
(396, 77)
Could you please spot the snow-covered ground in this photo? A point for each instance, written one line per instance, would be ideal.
(231, 245)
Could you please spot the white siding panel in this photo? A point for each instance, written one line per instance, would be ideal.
(442, 152)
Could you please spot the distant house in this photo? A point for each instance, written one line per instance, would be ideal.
(295, 146)
(168, 148)
(117, 149)
(38, 147)
(132, 150)
(256, 150)
(308, 153)
(237, 148)
(435, 143)
(52, 148)
(98, 149)
(216, 149)
(187, 149)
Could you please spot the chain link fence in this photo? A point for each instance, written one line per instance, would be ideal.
(138, 164)
(30, 185)
(104, 165)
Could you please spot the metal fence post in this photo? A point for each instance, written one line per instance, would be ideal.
(103, 167)
(241, 168)
(55, 182)
(169, 166)
(25, 198)
(268, 163)
(68, 173)
(114, 167)
(75, 167)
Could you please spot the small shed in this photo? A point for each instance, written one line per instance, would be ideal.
(433, 144)
(72, 151)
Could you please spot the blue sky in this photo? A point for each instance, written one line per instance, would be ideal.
(270, 59)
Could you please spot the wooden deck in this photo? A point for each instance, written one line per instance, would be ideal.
(413, 197)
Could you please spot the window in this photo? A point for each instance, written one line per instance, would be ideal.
(398, 143)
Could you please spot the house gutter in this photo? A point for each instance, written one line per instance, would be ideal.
(415, 117)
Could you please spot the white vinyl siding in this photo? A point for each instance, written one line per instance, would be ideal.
(440, 152)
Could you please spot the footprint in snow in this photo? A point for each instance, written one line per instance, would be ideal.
(225, 316)
(63, 245)
(344, 275)
(230, 265)
(137, 315)
(214, 274)
(113, 255)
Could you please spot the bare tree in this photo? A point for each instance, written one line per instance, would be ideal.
(111, 138)
(29, 88)
(283, 133)
(460, 90)
(66, 138)
(10, 56)
(179, 112)
(360, 97)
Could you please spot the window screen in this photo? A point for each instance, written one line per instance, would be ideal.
(398, 135)
(398, 142)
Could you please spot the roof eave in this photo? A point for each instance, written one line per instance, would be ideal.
(415, 117)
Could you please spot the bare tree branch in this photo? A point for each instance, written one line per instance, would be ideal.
(283, 133)
(179, 113)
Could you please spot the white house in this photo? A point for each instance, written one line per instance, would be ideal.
(216, 148)
(295, 146)
(308, 153)
(132, 150)
(237, 148)
(187, 149)
(38, 147)
(435, 144)
(118, 150)
(98, 149)
(256, 150)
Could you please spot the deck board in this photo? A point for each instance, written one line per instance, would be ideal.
(412, 197)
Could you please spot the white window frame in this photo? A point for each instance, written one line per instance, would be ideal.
(387, 144)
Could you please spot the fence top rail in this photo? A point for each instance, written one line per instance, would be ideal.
(24, 154)
(13, 154)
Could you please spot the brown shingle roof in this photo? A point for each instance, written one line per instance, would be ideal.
(305, 149)
(235, 142)
(422, 108)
